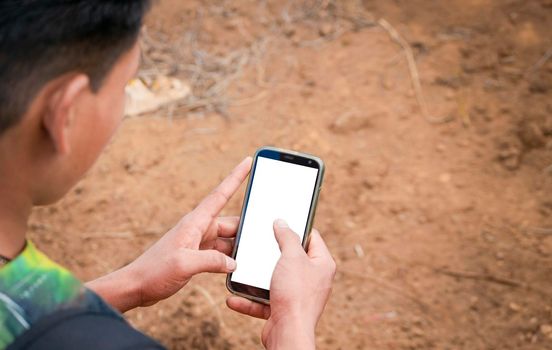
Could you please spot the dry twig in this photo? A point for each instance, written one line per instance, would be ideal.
(412, 68)
(538, 65)
(480, 277)
(492, 279)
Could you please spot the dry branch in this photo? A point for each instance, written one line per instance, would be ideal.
(541, 62)
(412, 68)
(492, 279)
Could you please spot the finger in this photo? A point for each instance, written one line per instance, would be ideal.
(227, 226)
(286, 238)
(197, 261)
(224, 245)
(317, 247)
(248, 307)
(209, 208)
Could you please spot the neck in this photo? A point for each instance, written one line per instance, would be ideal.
(14, 213)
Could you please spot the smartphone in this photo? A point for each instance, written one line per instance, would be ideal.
(282, 185)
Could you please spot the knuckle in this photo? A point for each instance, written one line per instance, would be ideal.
(217, 259)
(178, 261)
(219, 195)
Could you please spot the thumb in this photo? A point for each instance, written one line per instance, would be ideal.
(286, 238)
(199, 261)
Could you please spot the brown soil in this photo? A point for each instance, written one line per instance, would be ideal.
(442, 228)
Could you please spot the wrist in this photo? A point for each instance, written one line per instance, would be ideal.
(121, 288)
(290, 332)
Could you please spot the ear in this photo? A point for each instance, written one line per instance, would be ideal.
(60, 110)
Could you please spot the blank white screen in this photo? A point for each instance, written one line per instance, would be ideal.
(279, 190)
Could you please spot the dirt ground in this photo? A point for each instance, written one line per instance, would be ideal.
(440, 221)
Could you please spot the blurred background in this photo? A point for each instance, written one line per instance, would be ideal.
(434, 119)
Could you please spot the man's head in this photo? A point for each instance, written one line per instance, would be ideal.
(63, 68)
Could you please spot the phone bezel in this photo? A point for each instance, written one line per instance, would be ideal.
(260, 294)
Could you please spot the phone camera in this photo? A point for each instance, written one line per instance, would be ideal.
(310, 161)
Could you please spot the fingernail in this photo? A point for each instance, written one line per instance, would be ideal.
(281, 223)
(230, 263)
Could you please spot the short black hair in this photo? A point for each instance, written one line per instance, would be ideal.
(41, 40)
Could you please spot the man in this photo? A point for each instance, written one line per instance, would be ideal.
(64, 65)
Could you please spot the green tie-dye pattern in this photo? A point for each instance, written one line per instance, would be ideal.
(31, 287)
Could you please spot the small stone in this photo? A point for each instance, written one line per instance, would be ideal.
(514, 307)
(531, 135)
(358, 250)
(289, 31)
(418, 321)
(488, 236)
(546, 330)
(539, 86)
(422, 219)
(350, 122)
(325, 29)
(418, 332)
(350, 224)
(371, 181)
(509, 153)
(79, 189)
(450, 95)
(545, 246)
(387, 83)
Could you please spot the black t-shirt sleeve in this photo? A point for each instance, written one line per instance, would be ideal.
(83, 330)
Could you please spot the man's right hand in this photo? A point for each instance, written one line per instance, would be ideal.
(299, 290)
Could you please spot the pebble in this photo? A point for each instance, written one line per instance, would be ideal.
(532, 135)
(514, 307)
(289, 31)
(545, 247)
(350, 224)
(350, 122)
(546, 329)
(325, 29)
(417, 331)
(359, 251)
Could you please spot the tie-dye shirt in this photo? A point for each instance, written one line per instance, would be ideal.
(32, 287)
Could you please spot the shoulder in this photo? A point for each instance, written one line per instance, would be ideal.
(83, 329)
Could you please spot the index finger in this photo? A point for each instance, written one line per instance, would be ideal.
(210, 207)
